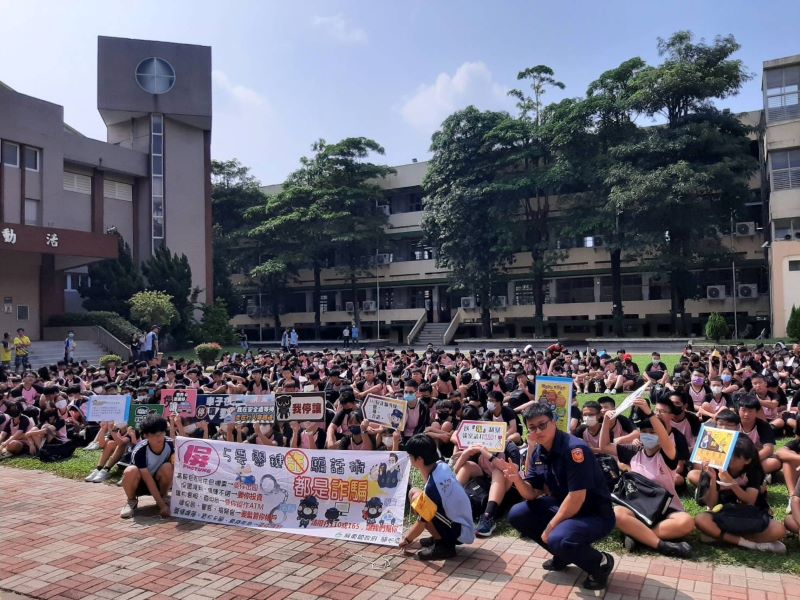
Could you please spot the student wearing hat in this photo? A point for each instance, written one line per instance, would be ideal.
(656, 458)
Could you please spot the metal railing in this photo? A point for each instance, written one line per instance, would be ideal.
(93, 333)
(451, 330)
(417, 328)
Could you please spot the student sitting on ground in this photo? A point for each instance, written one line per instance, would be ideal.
(442, 506)
(53, 430)
(759, 432)
(715, 402)
(656, 459)
(15, 428)
(122, 438)
(151, 471)
(726, 419)
(739, 512)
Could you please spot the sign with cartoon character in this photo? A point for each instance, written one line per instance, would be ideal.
(714, 446)
(181, 402)
(489, 434)
(557, 392)
(139, 411)
(254, 409)
(103, 409)
(390, 412)
(339, 494)
(300, 406)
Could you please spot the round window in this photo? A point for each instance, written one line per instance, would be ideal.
(155, 75)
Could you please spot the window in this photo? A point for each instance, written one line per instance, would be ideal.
(785, 170)
(783, 94)
(523, 293)
(155, 75)
(794, 265)
(323, 303)
(31, 159)
(414, 202)
(80, 184)
(31, 211)
(157, 178)
(22, 312)
(118, 190)
(575, 289)
(75, 281)
(10, 152)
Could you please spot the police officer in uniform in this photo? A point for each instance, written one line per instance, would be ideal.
(566, 503)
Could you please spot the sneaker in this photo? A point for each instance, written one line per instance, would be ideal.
(614, 391)
(486, 526)
(630, 543)
(599, 579)
(127, 510)
(776, 547)
(675, 549)
(426, 542)
(554, 564)
(101, 476)
(93, 446)
(90, 477)
(608, 391)
(438, 551)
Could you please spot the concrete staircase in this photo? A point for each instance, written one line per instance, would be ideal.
(49, 353)
(431, 333)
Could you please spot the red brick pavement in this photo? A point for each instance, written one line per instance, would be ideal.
(61, 539)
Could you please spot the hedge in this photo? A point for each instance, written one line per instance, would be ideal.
(117, 326)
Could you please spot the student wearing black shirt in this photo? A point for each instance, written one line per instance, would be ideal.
(497, 411)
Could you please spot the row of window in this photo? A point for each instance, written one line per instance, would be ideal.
(82, 184)
(782, 99)
(11, 156)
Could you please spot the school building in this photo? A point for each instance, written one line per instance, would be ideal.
(64, 197)
(406, 299)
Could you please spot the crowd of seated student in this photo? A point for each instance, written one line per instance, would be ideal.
(753, 390)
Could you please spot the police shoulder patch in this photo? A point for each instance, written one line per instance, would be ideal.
(577, 455)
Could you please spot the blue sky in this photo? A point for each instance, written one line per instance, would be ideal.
(288, 73)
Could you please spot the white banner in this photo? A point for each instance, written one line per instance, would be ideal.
(339, 494)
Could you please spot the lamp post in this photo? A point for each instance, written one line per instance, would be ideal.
(377, 293)
(733, 292)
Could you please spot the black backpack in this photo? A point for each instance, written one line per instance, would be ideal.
(56, 452)
(647, 500)
(478, 493)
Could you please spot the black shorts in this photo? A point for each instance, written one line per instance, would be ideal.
(449, 533)
(142, 490)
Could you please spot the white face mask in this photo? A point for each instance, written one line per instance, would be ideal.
(716, 390)
(264, 429)
(590, 421)
(388, 441)
(61, 404)
(495, 378)
(649, 440)
(309, 387)
(779, 364)
(575, 361)
(490, 406)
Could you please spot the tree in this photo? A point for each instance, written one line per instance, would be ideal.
(717, 327)
(150, 308)
(112, 283)
(171, 274)
(688, 173)
(466, 216)
(793, 326)
(215, 324)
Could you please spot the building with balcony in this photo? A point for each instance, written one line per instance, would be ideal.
(407, 293)
(64, 197)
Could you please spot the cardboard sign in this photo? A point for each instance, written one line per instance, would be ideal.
(218, 409)
(140, 411)
(489, 434)
(715, 446)
(254, 409)
(108, 408)
(181, 402)
(557, 392)
(345, 495)
(390, 412)
(300, 406)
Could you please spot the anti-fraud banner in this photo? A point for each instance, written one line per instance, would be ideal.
(339, 494)
(557, 392)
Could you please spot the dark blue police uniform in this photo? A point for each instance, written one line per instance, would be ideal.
(569, 466)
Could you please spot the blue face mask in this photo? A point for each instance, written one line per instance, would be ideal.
(649, 440)
(726, 378)
(409, 397)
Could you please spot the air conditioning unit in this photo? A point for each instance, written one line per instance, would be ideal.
(368, 305)
(713, 231)
(383, 259)
(716, 292)
(467, 302)
(747, 290)
(501, 301)
(349, 307)
(385, 209)
(745, 228)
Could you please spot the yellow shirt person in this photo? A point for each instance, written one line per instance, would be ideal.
(22, 344)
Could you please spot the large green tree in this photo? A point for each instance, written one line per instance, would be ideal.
(692, 170)
(170, 273)
(113, 282)
(467, 216)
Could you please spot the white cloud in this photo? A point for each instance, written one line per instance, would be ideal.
(338, 28)
(472, 83)
(238, 93)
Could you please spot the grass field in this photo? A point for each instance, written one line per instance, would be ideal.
(83, 462)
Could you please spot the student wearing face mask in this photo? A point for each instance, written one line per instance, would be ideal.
(591, 422)
(715, 401)
(417, 416)
(683, 419)
(497, 411)
(655, 458)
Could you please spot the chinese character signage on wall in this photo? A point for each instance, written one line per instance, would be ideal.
(344, 495)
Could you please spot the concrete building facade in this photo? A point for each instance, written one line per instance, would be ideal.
(64, 197)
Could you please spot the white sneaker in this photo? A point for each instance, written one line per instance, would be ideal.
(776, 547)
(101, 476)
(789, 507)
(93, 446)
(127, 510)
(607, 392)
(614, 391)
(90, 477)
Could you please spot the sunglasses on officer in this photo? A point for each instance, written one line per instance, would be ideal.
(542, 425)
